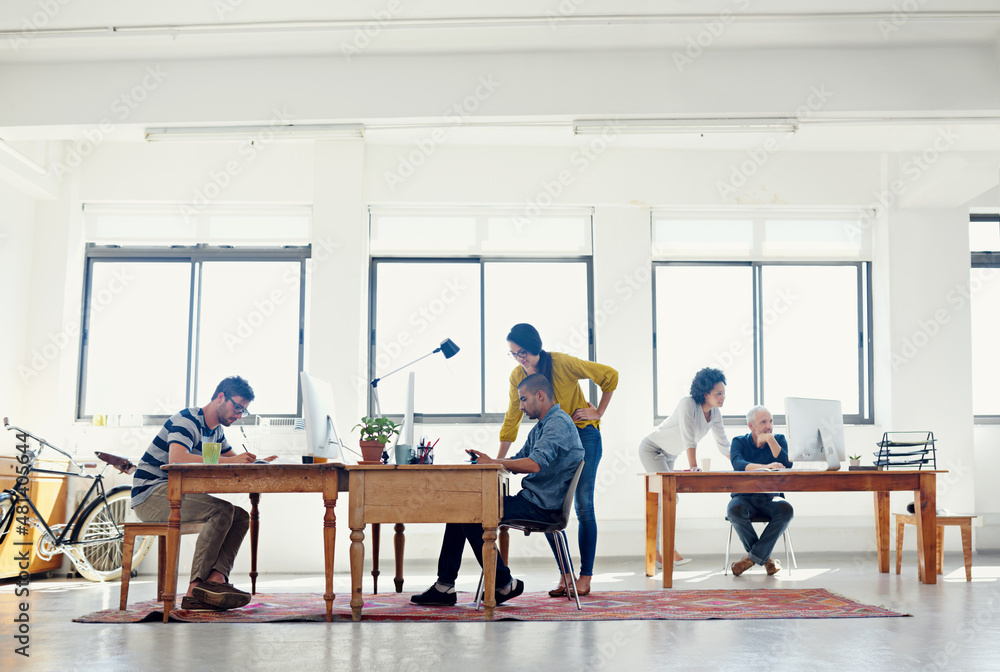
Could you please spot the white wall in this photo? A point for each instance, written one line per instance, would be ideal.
(17, 215)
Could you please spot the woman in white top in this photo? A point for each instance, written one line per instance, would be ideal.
(691, 420)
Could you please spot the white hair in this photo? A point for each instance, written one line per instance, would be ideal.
(752, 413)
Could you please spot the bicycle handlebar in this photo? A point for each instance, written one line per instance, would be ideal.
(42, 443)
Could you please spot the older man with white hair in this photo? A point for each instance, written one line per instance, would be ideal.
(761, 449)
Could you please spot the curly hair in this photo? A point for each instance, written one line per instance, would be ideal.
(704, 381)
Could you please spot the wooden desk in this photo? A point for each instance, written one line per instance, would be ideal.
(922, 483)
(254, 479)
(462, 493)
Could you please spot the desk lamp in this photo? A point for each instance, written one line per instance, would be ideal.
(447, 348)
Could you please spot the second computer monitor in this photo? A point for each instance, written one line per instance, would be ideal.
(815, 431)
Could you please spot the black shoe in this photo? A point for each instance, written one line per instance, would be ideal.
(515, 590)
(221, 595)
(432, 597)
(192, 604)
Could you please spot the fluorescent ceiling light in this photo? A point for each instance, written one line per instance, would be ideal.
(259, 133)
(656, 126)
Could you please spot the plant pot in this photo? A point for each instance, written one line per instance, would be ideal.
(371, 451)
(855, 463)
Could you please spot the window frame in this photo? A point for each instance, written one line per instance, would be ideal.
(481, 260)
(865, 354)
(194, 255)
(984, 259)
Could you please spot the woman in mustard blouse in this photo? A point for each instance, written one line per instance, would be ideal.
(565, 372)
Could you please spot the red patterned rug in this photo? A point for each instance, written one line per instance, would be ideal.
(603, 606)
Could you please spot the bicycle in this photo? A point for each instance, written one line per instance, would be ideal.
(92, 538)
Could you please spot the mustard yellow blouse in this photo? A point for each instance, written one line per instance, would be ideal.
(567, 371)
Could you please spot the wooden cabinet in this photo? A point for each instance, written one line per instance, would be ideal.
(48, 492)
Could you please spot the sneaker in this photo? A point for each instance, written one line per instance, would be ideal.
(221, 595)
(515, 590)
(192, 604)
(741, 566)
(432, 597)
(772, 566)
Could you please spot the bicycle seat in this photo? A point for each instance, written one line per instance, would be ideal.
(120, 463)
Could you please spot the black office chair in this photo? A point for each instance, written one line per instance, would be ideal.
(789, 551)
(558, 528)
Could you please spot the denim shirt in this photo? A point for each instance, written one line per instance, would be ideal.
(554, 445)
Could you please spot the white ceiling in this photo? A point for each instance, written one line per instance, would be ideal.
(122, 30)
(126, 29)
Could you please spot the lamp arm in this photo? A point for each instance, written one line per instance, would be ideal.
(374, 382)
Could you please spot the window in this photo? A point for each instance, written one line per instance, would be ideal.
(472, 290)
(163, 325)
(983, 293)
(762, 296)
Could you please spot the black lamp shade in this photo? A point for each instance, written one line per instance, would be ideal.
(448, 348)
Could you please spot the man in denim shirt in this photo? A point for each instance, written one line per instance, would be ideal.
(549, 457)
(759, 450)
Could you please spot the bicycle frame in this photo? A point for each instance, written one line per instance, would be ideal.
(97, 485)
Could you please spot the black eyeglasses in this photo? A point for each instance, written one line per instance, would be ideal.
(237, 409)
(520, 355)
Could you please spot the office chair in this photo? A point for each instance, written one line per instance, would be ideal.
(558, 528)
(789, 551)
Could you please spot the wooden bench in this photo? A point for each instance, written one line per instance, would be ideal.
(964, 522)
(133, 530)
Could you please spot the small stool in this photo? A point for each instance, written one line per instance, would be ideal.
(964, 522)
(133, 530)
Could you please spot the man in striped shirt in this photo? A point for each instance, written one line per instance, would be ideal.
(180, 440)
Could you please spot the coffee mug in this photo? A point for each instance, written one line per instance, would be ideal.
(706, 464)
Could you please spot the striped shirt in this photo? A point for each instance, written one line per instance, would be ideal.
(186, 428)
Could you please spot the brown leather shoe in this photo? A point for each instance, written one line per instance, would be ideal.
(741, 566)
(772, 566)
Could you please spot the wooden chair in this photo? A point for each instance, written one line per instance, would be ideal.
(133, 530)
(964, 522)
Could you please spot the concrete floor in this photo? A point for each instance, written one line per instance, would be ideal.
(955, 626)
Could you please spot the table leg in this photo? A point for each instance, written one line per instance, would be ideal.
(882, 530)
(505, 545)
(652, 506)
(254, 533)
(174, 497)
(939, 560)
(489, 571)
(329, 543)
(376, 540)
(668, 504)
(900, 526)
(925, 507)
(967, 548)
(399, 541)
(357, 570)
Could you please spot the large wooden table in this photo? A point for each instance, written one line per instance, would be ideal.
(254, 479)
(922, 483)
(462, 493)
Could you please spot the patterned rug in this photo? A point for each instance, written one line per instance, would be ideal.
(603, 606)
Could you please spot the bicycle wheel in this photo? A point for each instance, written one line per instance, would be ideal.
(95, 523)
(5, 510)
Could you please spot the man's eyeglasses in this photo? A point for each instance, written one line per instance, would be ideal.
(520, 355)
(237, 409)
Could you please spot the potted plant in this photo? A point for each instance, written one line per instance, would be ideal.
(375, 433)
(855, 460)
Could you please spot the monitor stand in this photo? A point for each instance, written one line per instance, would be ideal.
(829, 449)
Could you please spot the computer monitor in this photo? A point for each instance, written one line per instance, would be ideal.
(322, 437)
(815, 431)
